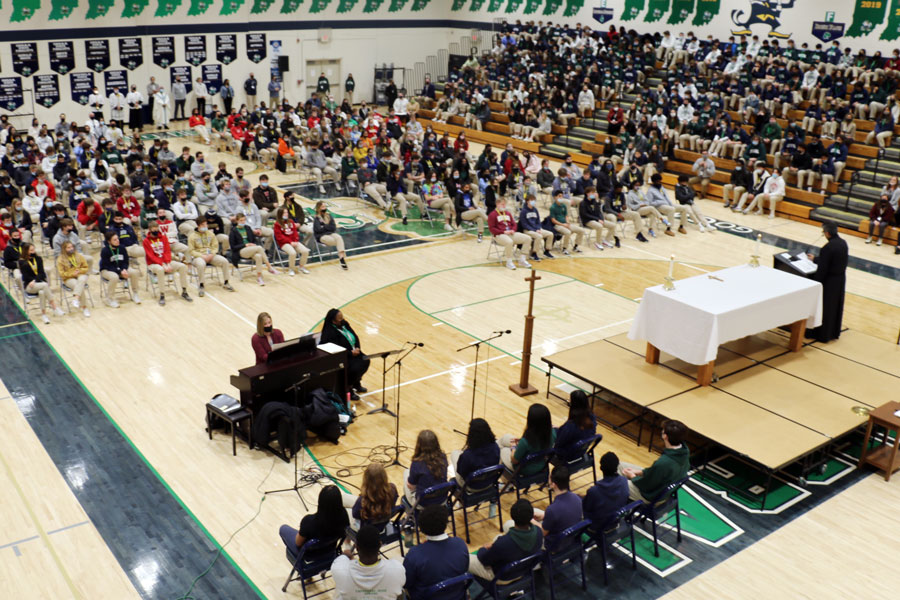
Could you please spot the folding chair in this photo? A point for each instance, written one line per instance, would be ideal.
(604, 535)
(661, 507)
(481, 486)
(65, 292)
(315, 558)
(565, 548)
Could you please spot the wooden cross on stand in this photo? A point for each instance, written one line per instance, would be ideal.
(523, 388)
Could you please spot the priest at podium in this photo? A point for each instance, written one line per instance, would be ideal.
(832, 274)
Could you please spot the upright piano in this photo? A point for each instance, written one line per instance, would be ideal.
(273, 380)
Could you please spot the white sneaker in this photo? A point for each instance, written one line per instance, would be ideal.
(45, 319)
(86, 312)
(510, 265)
(322, 189)
(448, 227)
(59, 312)
(259, 280)
(702, 229)
(273, 271)
(112, 303)
(524, 263)
(304, 270)
(76, 303)
(878, 243)
(291, 272)
(136, 298)
(869, 240)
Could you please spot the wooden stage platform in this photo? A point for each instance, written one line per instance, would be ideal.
(766, 404)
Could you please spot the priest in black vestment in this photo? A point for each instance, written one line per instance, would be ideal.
(832, 274)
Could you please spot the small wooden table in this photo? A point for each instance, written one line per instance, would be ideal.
(884, 457)
(705, 372)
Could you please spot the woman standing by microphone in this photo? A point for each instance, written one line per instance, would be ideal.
(265, 337)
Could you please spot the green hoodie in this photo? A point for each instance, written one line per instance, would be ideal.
(668, 468)
(524, 539)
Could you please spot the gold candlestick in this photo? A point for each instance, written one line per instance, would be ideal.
(754, 260)
(669, 285)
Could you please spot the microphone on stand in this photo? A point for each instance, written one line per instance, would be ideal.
(419, 344)
(503, 332)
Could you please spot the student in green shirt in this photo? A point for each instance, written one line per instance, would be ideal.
(672, 465)
(539, 435)
(558, 211)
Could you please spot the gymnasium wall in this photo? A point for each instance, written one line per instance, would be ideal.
(361, 33)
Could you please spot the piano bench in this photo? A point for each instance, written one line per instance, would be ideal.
(234, 420)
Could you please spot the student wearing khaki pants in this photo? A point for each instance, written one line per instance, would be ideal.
(245, 244)
(203, 248)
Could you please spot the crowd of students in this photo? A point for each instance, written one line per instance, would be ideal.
(440, 557)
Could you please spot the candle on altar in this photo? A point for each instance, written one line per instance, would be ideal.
(758, 240)
(671, 265)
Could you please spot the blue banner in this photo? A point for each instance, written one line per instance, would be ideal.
(116, 79)
(96, 53)
(11, 96)
(46, 90)
(182, 74)
(81, 85)
(827, 32)
(25, 58)
(212, 77)
(603, 15)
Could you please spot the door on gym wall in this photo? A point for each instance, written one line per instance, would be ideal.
(332, 70)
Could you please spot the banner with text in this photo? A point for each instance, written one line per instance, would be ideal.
(46, 89)
(62, 57)
(96, 53)
(131, 53)
(11, 96)
(25, 58)
(81, 85)
(226, 48)
(163, 50)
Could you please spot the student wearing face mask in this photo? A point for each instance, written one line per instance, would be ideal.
(265, 337)
(559, 219)
(741, 178)
(114, 267)
(325, 230)
(245, 244)
(158, 255)
(468, 210)
(591, 214)
(530, 225)
(502, 226)
(203, 248)
(34, 280)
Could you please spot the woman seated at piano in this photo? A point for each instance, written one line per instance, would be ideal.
(338, 331)
(265, 337)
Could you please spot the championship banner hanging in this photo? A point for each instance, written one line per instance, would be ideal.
(46, 89)
(163, 50)
(11, 96)
(131, 53)
(25, 58)
(226, 48)
(195, 49)
(96, 53)
(81, 85)
(62, 57)
(256, 47)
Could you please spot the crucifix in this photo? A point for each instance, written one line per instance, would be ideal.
(523, 388)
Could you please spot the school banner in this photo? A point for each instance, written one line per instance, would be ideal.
(81, 85)
(131, 53)
(96, 53)
(62, 57)
(226, 48)
(867, 15)
(11, 96)
(46, 89)
(892, 31)
(25, 58)
(212, 77)
(115, 79)
(256, 47)
(195, 49)
(632, 9)
(706, 11)
(681, 10)
(163, 50)
(656, 9)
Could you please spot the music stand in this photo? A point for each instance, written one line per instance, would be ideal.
(295, 388)
(384, 369)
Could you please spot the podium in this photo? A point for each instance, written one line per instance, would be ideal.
(795, 263)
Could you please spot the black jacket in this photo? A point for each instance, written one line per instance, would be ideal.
(236, 241)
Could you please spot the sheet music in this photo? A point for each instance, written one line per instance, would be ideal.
(805, 265)
(330, 348)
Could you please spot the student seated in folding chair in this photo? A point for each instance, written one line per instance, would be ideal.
(287, 239)
(433, 192)
(559, 211)
(376, 501)
(67, 233)
(530, 225)
(502, 225)
(523, 539)
(114, 267)
(170, 230)
(12, 254)
(565, 510)
(325, 230)
(186, 213)
(297, 214)
(368, 184)
(369, 576)
(396, 189)
(439, 558)
(265, 198)
(254, 219)
(685, 195)
(158, 255)
(672, 465)
(315, 160)
(538, 435)
(73, 274)
(128, 239)
(481, 451)
(34, 280)
(203, 250)
(428, 468)
(467, 209)
(581, 425)
(245, 244)
(659, 200)
(590, 212)
(329, 521)
(608, 494)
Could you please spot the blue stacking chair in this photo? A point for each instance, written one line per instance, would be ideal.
(481, 486)
(619, 525)
(455, 588)
(522, 482)
(564, 548)
(585, 460)
(515, 578)
(390, 530)
(659, 508)
(315, 558)
(442, 491)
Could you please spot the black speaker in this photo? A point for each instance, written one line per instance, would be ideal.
(283, 62)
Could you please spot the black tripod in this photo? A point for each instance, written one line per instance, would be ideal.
(477, 344)
(384, 369)
(295, 388)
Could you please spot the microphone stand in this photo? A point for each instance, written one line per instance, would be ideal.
(384, 369)
(295, 388)
(477, 345)
(399, 364)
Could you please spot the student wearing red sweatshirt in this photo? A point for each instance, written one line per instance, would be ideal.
(287, 237)
(159, 263)
(502, 225)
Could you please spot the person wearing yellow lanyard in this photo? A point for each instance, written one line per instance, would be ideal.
(338, 331)
(34, 280)
(73, 271)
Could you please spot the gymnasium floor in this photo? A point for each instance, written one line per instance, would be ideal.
(111, 488)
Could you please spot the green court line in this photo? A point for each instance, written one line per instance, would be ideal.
(12, 335)
(536, 289)
(142, 457)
